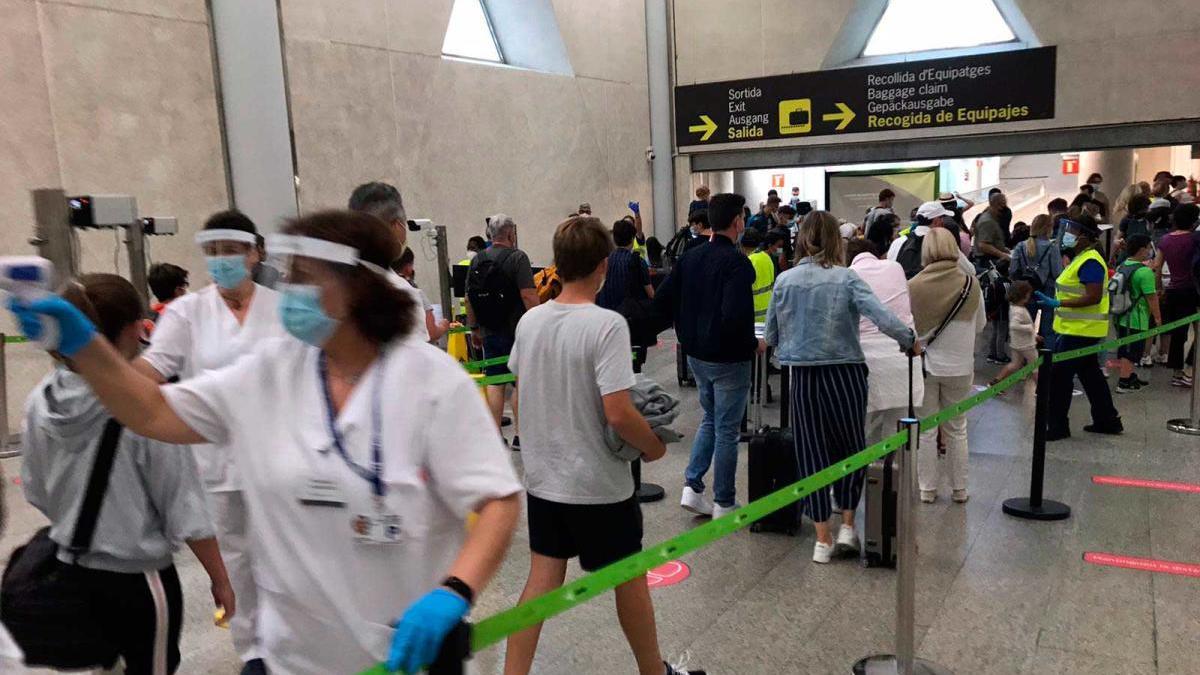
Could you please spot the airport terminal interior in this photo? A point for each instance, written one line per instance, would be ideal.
(233, 144)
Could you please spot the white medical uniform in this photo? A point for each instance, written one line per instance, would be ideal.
(420, 331)
(195, 334)
(327, 597)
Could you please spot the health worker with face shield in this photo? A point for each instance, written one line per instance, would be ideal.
(205, 331)
(360, 454)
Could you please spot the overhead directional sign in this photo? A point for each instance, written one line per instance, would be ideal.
(1009, 86)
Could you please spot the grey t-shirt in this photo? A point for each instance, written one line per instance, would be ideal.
(988, 229)
(566, 359)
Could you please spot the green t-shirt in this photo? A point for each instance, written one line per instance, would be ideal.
(1138, 318)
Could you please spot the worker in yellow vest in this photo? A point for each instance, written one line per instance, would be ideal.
(1081, 320)
(764, 271)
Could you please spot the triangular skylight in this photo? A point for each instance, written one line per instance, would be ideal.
(469, 34)
(926, 25)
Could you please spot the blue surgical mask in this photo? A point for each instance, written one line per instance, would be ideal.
(302, 315)
(1069, 240)
(227, 271)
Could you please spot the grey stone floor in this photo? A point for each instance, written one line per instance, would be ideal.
(994, 594)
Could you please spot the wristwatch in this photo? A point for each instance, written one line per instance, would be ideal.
(460, 587)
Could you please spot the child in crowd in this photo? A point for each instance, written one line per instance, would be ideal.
(1143, 292)
(571, 358)
(153, 502)
(1022, 334)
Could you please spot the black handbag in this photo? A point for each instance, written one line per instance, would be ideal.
(45, 603)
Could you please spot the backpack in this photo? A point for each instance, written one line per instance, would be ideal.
(909, 256)
(1121, 300)
(494, 297)
(1034, 274)
(548, 284)
(676, 247)
(638, 309)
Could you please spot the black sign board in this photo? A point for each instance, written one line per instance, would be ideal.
(1009, 86)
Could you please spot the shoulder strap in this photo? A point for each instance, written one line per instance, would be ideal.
(89, 511)
(1042, 257)
(958, 305)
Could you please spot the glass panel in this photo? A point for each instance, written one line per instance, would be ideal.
(469, 34)
(924, 25)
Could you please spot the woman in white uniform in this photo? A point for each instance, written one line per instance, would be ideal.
(360, 455)
(205, 331)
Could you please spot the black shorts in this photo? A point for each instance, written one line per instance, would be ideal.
(598, 533)
(1133, 351)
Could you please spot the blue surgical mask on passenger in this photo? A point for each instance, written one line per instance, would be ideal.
(302, 315)
(227, 271)
(1069, 240)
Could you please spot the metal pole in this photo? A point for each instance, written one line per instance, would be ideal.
(443, 265)
(1035, 507)
(52, 232)
(135, 243)
(5, 440)
(904, 661)
(1191, 426)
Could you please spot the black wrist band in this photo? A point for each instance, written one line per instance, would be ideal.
(459, 586)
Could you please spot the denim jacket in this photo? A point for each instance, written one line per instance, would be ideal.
(814, 314)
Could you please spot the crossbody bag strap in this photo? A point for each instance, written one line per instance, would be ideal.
(958, 305)
(93, 497)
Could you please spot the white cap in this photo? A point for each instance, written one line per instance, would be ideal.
(931, 210)
(1160, 203)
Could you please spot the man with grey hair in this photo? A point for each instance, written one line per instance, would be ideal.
(499, 290)
(383, 201)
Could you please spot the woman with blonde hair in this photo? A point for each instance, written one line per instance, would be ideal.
(948, 310)
(1120, 207)
(813, 324)
(1038, 260)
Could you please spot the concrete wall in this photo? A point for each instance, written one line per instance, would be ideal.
(373, 99)
(106, 96)
(1118, 61)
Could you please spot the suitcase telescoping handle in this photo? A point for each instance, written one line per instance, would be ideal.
(912, 412)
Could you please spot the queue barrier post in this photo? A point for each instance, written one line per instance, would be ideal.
(7, 447)
(1035, 507)
(1191, 425)
(904, 661)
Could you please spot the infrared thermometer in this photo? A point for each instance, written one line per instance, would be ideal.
(30, 278)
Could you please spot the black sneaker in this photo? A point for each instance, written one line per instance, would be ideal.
(1127, 386)
(516, 444)
(1141, 383)
(1053, 435)
(254, 667)
(1110, 429)
(505, 421)
(680, 670)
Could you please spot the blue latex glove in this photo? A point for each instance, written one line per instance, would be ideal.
(420, 632)
(1047, 301)
(635, 207)
(75, 330)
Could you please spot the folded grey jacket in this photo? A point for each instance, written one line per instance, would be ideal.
(660, 410)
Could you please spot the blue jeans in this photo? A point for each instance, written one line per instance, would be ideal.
(724, 389)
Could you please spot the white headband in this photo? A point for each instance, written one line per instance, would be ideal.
(209, 236)
(321, 249)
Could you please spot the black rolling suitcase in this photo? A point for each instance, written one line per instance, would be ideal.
(880, 500)
(772, 460)
(681, 368)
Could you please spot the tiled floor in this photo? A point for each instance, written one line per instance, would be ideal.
(994, 594)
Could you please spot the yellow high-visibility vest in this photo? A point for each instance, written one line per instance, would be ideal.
(1090, 321)
(764, 281)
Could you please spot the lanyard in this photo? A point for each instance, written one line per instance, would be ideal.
(374, 475)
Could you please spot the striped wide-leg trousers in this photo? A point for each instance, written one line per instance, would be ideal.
(829, 406)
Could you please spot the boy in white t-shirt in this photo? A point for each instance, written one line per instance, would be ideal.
(573, 362)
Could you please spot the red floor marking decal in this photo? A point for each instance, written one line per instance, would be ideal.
(669, 574)
(1143, 564)
(1146, 483)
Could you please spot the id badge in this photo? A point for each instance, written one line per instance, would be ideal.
(322, 492)
(377, 529)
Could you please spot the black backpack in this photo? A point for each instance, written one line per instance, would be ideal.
(676, 247)
(638, 309)
(493, 295)
(909, 256)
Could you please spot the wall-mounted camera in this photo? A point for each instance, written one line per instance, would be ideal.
(420, 224)
(95, 211)
(155, 225)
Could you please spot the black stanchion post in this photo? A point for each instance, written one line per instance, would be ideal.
(1035, 507)
(646, 492)
(1190, 425)
(455, 652)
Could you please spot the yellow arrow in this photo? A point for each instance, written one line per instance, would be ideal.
(845, 115)
(707, 128)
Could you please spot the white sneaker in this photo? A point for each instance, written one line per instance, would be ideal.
(928, 496)
(719, 510)
(960, 496)
(822, 553)
(847, 541)
(696, 502)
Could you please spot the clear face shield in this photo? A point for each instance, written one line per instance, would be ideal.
(225, 255)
